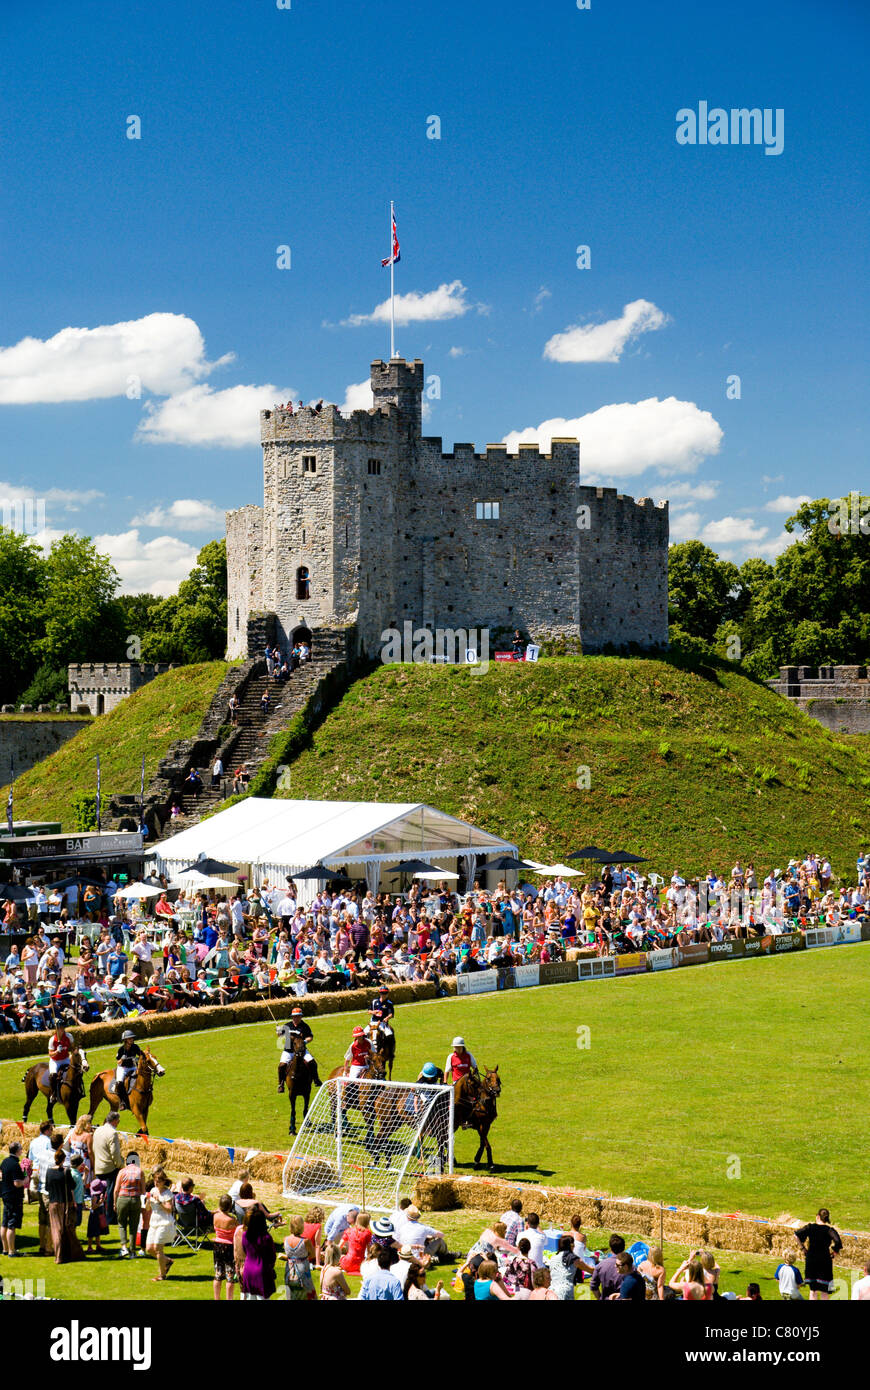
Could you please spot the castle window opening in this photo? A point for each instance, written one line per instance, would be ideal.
(375, 468)
(309, 463)
(303, 582)
(487, 511)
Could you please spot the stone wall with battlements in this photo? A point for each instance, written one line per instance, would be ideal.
(101, 685)
(837, 696)
(385, 527)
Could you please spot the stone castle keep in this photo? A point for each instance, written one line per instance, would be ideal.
(366, 521)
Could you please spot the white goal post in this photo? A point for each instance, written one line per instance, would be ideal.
(361, 1141)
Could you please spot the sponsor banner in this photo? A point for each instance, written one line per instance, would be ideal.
(633, 963)
(786, 941)
(504, 656)
(697, 954)
(480, 982)
(846, 933)
(506, 977)
(597, 969)
(756, 946)
(527, 975)
(663, 960)
(558, 972)
(865, 931)
(819, 936)
(726, 950)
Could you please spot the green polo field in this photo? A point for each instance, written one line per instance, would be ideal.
(755, 1067)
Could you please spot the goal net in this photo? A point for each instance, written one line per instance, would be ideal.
(363, 1141)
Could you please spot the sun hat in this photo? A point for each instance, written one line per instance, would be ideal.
(383, 1227)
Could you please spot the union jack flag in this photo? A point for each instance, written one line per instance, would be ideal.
(396, 254)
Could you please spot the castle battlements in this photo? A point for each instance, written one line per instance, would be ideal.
(101, 685)
(368, 522)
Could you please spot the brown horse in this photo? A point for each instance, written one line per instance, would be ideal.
(37, 1082)
(384, 1041)
(140, 1093)
(375, 1071)
(298, 1078)
(475, 1107)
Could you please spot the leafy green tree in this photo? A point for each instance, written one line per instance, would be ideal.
(22, 595)
(702, 589)
(192, 624)
(79, 585)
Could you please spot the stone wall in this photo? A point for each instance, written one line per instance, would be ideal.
(385, 524)
(101, 685)
(28, 741)
(837, 696)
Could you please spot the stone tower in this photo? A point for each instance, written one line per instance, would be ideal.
(367, 521)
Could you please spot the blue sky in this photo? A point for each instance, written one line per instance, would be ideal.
(263, 127)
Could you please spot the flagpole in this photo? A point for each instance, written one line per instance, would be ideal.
(392, 299)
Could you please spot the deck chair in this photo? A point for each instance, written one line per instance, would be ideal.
(189, 1228)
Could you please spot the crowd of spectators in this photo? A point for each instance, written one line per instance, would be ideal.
(189, 949)
(83, 1187)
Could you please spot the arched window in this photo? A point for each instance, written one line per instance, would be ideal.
(303, 582)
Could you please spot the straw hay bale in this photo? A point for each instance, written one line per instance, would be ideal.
(685, 1227)
(435, 1194)
(738, 1233)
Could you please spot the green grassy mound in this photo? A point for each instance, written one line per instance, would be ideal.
(688, 769)
(170, 707)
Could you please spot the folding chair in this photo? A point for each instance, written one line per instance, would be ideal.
(189, 1230)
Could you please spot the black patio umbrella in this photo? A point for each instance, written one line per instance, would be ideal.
(414, 866)
(505, 863)
(211, 867)
(13, 892)
(77, 881)
(318, 871)
(591, 852)
(621, 856)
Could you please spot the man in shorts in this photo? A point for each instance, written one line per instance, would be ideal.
(13, 1181)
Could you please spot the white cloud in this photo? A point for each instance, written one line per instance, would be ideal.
(187, 514)
(457, 352)
(156, 566)
(358, 396)
(695, 492)
(730, 530)
(162, 352)
(624, 440)
(225, 419)
(540, 299)
(684, 526)
(786, 505)
(605, 342)
(54, 499)
(447, 302)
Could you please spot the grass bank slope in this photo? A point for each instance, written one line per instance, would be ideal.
(687, 768)
(170, 707)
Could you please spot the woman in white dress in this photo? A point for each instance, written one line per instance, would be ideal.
(161, 1227)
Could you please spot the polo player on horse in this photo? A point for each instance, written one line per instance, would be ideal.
(295, 1028)
(127, 1059)
(60, 1046)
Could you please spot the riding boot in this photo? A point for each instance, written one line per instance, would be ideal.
(315, 1075)
(282, 1076)
(123, 1098)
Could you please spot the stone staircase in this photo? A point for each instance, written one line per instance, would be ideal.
(249, 742)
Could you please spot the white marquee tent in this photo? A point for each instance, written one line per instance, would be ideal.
(277, 838)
